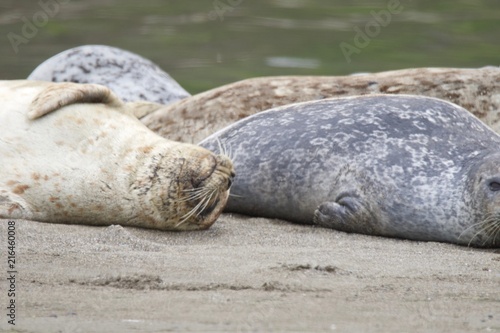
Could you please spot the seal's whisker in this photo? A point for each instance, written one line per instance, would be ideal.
(202, 204)
(195, 195)
(221, 148)
(207, 202)
(235, 195)
(200, 207)
(196, 192)
(227, 150)
(191, 189)
(224, 149)
(490, 227)
(230, 152)
(188, 215)
(474, 236)
(469, 228)
(191, 197)
(495, 234)
(192, 211)
(198, 189)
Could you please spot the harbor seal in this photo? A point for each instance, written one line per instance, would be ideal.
(130, 76)
(195, 118)
(390, 165)
(75, 153)
(176, 115)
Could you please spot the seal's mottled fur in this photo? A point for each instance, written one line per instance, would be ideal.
(131, 77)
(67, 157)
(195, 118)
(401, 166)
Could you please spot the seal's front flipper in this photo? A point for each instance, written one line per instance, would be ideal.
(62, 94)
(347, 213)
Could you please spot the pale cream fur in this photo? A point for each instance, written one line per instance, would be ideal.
(67, 157)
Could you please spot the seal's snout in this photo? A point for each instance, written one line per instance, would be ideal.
(214, 170)
(206, 168)
(485, 232)
(225, 166)
(206, 191)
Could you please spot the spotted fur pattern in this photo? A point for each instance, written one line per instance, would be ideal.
(400, 166)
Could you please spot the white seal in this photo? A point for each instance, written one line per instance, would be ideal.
(75, 153)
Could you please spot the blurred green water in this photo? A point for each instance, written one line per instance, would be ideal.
(204, 44)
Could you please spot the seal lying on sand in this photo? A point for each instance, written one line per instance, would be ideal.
(194, 118)
(93, 162)
(129, 75)
(400, 166)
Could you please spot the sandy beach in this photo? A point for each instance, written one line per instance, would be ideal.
(245, 275)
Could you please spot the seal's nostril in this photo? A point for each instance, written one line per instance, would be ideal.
(209, 164)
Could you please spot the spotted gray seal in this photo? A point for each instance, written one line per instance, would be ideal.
(195, 118)
(400, 166)
(75, 153)
(131, 77)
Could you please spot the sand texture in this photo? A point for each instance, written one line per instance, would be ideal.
(245, 275)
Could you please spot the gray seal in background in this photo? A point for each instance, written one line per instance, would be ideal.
(391, 165)
(131, 77)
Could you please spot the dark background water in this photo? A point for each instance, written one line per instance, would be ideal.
(204, 44)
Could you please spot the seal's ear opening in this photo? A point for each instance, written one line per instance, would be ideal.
(494, 184)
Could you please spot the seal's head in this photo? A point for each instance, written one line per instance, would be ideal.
(485, 230)
(184, 187)
(206, 180)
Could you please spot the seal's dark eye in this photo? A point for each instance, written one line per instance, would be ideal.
(494, 186)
